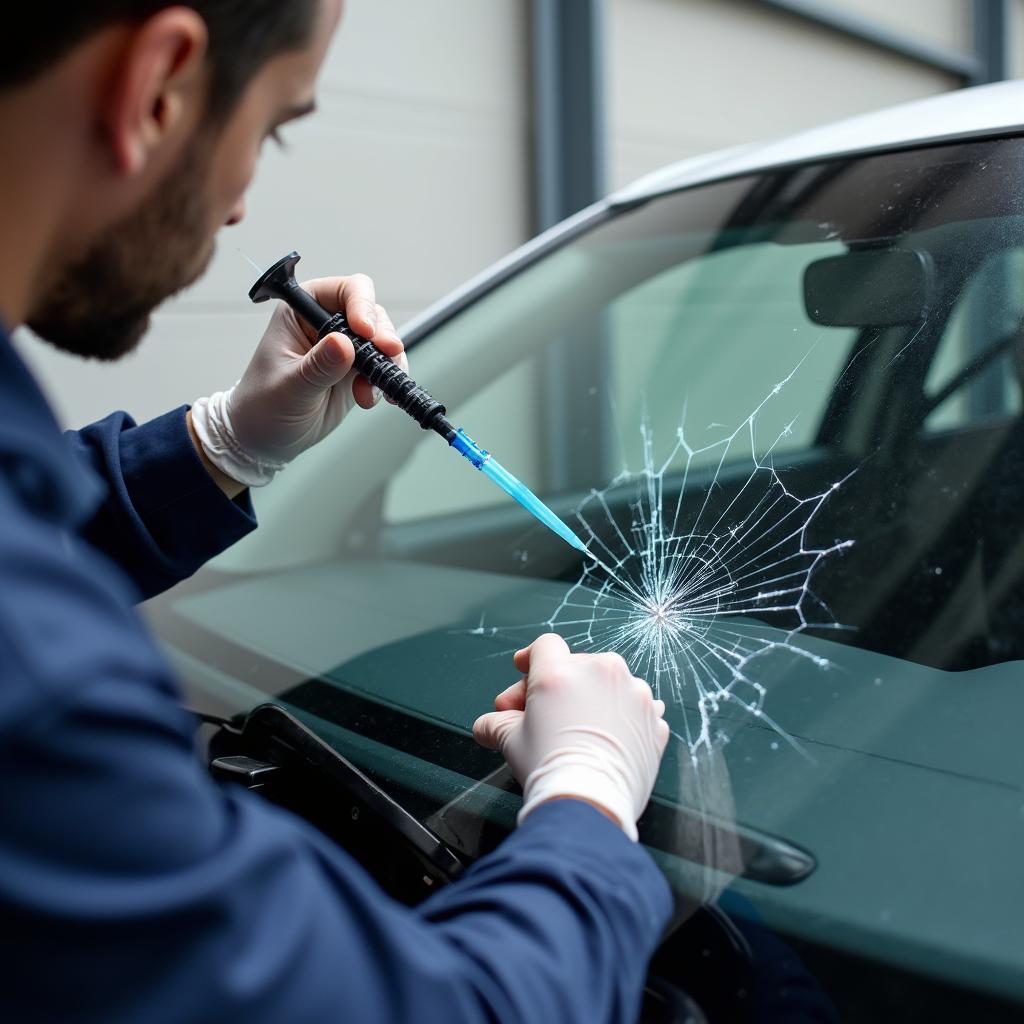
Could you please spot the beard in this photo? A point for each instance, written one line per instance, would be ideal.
(101, 304)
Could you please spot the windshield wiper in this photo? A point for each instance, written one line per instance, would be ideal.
(273, 752)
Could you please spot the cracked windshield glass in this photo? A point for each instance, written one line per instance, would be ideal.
(783, 414)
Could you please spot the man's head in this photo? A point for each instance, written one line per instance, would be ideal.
(156, 114)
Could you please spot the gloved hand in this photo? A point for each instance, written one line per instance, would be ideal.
(291, 396)
(578, 725)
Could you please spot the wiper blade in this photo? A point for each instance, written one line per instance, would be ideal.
(274, 751)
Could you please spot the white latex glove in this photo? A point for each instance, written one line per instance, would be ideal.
(291, 395)
(578, 725)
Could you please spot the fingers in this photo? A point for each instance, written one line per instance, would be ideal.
(546, 651)
(355, 296)
(521, 660)
(493, 730)
(386, 337)
(387, 340)
(358, 299)
(662, 733)
(328, 362)
(512, 699)
(368, 396)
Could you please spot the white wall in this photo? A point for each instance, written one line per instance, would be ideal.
(688, 76)
(415, 170)
(945, 23)
(1016, 69)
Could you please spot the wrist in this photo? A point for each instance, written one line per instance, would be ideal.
(218, 446)
(577, 775)
(231, 487)
(583, 800)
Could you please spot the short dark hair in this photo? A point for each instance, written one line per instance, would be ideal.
(244, 36)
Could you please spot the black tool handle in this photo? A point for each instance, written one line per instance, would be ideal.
(382, 373)
(279, 283)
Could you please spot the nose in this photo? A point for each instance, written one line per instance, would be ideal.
(237, 214)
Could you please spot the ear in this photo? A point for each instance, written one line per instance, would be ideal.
(157, 91)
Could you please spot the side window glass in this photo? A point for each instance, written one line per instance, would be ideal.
(701, 346)
(976, 373)
(697, 349)
(434, 481)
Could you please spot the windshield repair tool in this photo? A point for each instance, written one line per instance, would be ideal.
(279, 283)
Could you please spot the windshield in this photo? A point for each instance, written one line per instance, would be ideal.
(784, 412)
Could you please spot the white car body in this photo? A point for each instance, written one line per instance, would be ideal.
(985, 110)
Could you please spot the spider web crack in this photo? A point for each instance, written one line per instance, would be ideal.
(683, 588)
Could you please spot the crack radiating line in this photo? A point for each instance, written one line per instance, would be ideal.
(682, 580)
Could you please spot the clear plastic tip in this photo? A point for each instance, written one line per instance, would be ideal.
(514, 488)
(465, 445)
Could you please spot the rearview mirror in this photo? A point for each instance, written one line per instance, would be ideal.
(870, 288)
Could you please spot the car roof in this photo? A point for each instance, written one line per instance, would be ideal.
(965, 113)
(986, 110)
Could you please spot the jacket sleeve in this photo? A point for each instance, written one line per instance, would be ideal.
(163, 516)
(133, 888)
(146, 893)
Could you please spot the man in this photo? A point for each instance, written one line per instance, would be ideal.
(131, 887)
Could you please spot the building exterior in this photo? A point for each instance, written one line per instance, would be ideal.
(450, 131)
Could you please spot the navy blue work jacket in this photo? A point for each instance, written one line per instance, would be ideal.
(133, 889)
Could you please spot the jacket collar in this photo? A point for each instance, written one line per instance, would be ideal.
(35, 460)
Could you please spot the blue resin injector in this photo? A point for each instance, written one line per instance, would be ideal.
(279, 283)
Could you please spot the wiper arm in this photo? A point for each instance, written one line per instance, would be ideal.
(275, 753)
